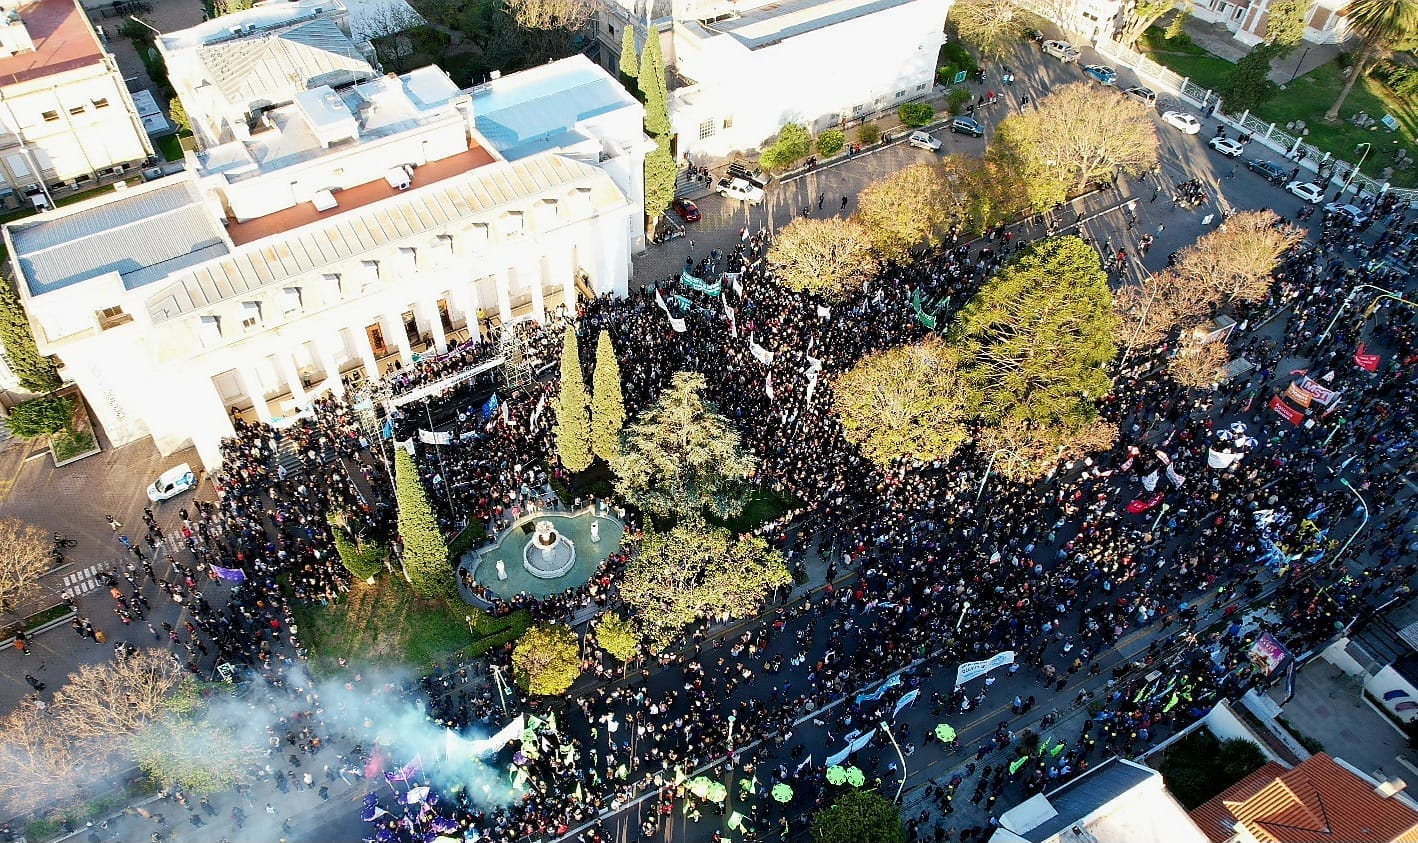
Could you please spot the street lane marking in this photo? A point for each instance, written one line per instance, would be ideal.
(82, 582)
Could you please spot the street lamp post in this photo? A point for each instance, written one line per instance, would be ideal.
(899, 754)
(501, 694)
(1383, 294)
(1353, 171)
(1362, 523)
(990, 467)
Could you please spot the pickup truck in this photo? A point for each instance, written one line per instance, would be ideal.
(741, 189)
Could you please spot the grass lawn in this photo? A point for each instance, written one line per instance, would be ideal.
(387, 624)
(765, 505)
(1187, 59)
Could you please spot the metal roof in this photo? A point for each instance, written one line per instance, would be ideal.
(272, 67)
(276, 259)
(520, 112)
(143, 236)
(768, 24)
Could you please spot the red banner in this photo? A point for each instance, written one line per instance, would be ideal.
(1367, 362)
(1285, 411)
(1144, 504)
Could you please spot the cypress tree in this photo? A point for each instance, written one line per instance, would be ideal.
(652, 88)
(629, 61)
(607, 401)
(573, 412)
(660, 172)
(425, 551)
(35, 372)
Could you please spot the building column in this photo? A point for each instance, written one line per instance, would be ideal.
(401, 339)
(429, 309)
(539, 310)
(332, 369)
(564, 265)
(465, 298)
(252, 384)
(504, 295)
(366, 354)
(286, 363)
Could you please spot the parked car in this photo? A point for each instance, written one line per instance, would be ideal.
(923, 140)
(1101, 73)
(1226, 146)
(1308, 191)
(1146, 96)
(740, 189)
(1186, 123)
(1268, 170)
(1354, 214)
(686, 210)
(1061, 50)
(172, 483)
(967, 126)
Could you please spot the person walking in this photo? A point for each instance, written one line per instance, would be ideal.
(34, 683)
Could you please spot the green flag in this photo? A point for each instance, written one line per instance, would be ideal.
(1059, 747)
(1044, 747)
(736, 821)
(1017, 763)
(1176, 698)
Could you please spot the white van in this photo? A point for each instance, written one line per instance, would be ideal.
(741, 189)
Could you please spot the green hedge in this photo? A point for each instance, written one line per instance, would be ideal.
(465, 541)
(494, 632)
(40, 417)
(915, 114)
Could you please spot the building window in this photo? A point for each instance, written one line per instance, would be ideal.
(50, 116)
(729, 122)
(858, 110)
(900, 94)
(250, 315)
(112, 317)
(78, 109)
(101, 102)
(706, 129)
(610, 29)
(290, 300)
(1240, 12)
(921, 87)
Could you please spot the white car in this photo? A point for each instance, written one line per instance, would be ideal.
(172, 483)
(1186, 123)
(741, 189)
(1355, 215)
(1061, 50)
(1308, 191)
(923, 140)
(1227, 147)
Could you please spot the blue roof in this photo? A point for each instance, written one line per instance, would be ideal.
(526, 112)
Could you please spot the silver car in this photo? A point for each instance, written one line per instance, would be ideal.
(1061, 50)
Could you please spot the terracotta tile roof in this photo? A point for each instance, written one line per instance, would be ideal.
(1317, 802)
(62, 41)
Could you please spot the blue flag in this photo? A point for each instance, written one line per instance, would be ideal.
(490, 407)
(233, 574)
(388, 430)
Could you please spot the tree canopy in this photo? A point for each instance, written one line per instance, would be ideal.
(573, 409)
(1036, 338)
(607, 401)
(1141, 15)
(35, 372)
(425, 551)
(1238, 259)
(24, 558)
(547, 659)
(682, 458)
(1381, 27)
(40, 417)
(115, 699)
(698, 571)
(1248, 84)
(906, 209)
(794, 143)
(829, 257)
(1199, 766)
(858, 816)
(617, 636)
(904, 402)
(992, 26)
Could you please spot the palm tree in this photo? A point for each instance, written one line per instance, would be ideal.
(1381, 25)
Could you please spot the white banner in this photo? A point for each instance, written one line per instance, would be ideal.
(811, 383)
(768, 386)
(906, 699)
(537, 412)
(1222, 459)
(824, 312)
(1149, 481)
(456, 747)
(732, 317)
(435, 437)
(1177, 479)
(676, 323)
(760, 353)
(972, 670)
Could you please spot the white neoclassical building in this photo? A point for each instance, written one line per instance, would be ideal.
(333, 223)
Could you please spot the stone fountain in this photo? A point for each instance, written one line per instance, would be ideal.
(548, 554)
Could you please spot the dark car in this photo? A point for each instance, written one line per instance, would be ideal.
(967, 126)
(687, 210)
(1268, 170)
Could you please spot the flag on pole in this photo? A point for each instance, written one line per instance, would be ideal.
(736, 821)
(491, 406)
(408, 771)
(731, 315)
(760, 353)
(537, 412)
(768, 386)
(1367, 362)
(1017, 763)
(232, 574)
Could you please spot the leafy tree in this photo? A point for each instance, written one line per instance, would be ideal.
(1285, 24)
(547, 659)
(698, 571)
(830, 257)
(24, 558)
(1248, 84)
(830, 142)
(905, 209)
(616, 636)
(683, 458)
(178, 112)
(363, 559)
(569, 15)
(115, 699)
(1381, 26)
(1077, 134)
(195, 752)
(660, 172)
(573, 411)
(1198, 365)
(35, 372)
(992, 26)
(40, 417)
(793, 144)
(1037, 337)
(915, 114)
(868, 133)
(1142, 14)
(607, 401)
(653, 91)
(629, 61)
(1238, 259)
(425, 551)
(859, 816)
(1176, 30)
(905, 402)
(981, 193)
(1199, 766)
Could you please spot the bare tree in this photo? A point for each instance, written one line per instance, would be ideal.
(906, 209)
(43, 766)
(992, 26)
(116, 698)
(1034, 450)
(570, 15)
(829, 257)
(1149, 311)
(1238, 259)
(24, 558)
(1199, 365)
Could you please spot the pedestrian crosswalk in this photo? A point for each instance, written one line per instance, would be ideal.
(82, 582)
